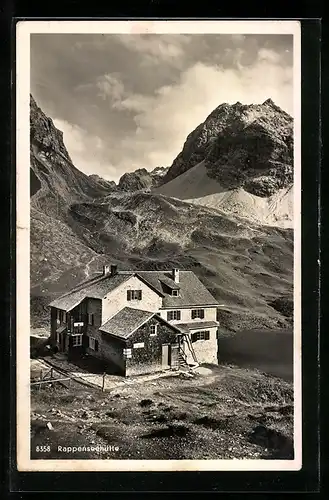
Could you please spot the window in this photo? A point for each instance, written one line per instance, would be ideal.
(127, 353)
(174, 293)
(197, 313)
(134, 294)
(202, 335)
(78, 328)
(153, 330)
(61, 315)
(76, 340)
(93, 343)
(173, 315)
(138, 345)
(90, 319)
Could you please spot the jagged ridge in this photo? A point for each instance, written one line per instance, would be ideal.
(249, 146)
(55, 181)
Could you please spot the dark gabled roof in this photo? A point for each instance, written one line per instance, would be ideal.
(154, 288)
(128, 320)
(170, 283)
(68, 301)
(125, 322)
(192, 291)
(95, 289)
(197, 325)
(100, 289)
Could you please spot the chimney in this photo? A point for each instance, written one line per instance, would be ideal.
(114, 269)
(175, 273)
(106, 270)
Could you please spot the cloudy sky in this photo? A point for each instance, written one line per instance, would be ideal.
(128, 101)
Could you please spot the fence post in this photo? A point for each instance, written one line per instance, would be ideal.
(103, 382)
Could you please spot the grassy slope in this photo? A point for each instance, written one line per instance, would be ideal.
(244, 265)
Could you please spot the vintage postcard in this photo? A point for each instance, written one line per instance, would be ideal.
(158, 245)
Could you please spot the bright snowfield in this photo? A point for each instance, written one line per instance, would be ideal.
(195, 186)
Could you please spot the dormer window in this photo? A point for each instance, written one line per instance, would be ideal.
(170, 287)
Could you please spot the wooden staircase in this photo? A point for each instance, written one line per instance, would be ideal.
(182, 356)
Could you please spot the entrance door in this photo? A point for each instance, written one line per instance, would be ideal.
(62, 340)
(165, 356)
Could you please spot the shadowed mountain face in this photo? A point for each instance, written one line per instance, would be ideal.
(108, 185)
(248, 146)
(55, 181)
(141, 179)
(78, 223)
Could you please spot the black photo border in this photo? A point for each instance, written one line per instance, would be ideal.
(305, 480)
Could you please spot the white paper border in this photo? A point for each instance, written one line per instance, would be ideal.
(23, 31)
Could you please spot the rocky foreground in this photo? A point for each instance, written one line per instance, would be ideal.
(221, 412)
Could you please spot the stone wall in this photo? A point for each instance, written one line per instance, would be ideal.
(148, 359)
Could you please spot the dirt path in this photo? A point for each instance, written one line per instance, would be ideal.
(87, 267)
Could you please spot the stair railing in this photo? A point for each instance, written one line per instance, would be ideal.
(190, 346)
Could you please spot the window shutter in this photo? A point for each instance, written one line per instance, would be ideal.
(193, 314)
(178, 315)
(202, 313)
(128, 294)
(96, 345)
(207, 335)
(193, 337)
(139, 294)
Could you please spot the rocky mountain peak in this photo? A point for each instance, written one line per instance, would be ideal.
(269, 102)
(249, 146)
(141, 179)
(55, 181)
(45, 137)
